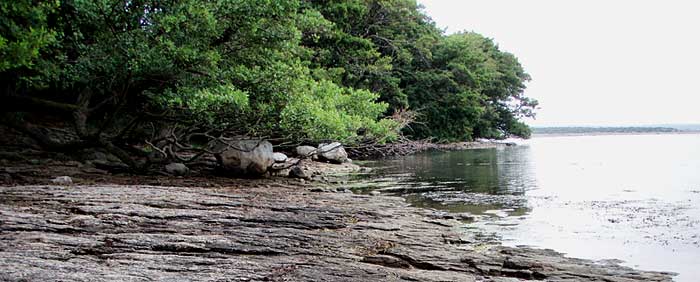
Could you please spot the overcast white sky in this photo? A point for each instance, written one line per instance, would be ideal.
(594, 62)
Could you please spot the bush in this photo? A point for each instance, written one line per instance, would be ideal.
(323, 110)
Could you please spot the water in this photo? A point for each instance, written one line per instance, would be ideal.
(634, 198)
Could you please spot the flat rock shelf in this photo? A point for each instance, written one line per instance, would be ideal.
(263, 232)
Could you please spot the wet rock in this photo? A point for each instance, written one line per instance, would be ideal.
(62, 180)
(178, 169)
(245, 157)
(458, 216)
(333, 152)
(279, 157)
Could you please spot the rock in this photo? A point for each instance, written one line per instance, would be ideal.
(333, 152)
(156, 156)
(298, 172)
(62, 180)
(375, 193)
(388, 261)
(100, 160)
(245, 157)
(278, 166)
(108, 165)
(266, 232)
(5, 178)
(95, 156)
(305, 152)
(279, 157)
(280, 169)
(464, 216)
(292, 161)
(178, 169)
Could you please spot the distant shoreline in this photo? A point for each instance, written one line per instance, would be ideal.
(565, 134)
(615, 130)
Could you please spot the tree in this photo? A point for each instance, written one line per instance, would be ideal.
(140, 76)
(136, 76)
(473, 88)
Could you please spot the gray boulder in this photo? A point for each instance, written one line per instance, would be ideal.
(279, 157)
(333, 152)
(178, 169)
(245, 157)
(304, 152)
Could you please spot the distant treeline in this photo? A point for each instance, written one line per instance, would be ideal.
(588, 130)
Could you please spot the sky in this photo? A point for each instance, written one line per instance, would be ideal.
(594, 62)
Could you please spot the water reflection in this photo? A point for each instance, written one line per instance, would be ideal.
(635, 198)
(476, 181)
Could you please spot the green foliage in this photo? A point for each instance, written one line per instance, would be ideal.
(473, 88)
(462, 86)
(24, 35)
(323, 109)
(303, 69)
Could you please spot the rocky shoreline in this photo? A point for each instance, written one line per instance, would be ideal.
(275, 229)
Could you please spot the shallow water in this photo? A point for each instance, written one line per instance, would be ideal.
(634, 198)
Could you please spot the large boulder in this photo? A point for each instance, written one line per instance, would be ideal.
(333, 152)
(245, 157)
(304, 152)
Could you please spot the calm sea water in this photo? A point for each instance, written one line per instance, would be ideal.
(634, 198)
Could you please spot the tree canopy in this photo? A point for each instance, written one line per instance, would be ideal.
(118, 72)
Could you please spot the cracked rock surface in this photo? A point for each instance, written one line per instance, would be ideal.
(274, 232)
